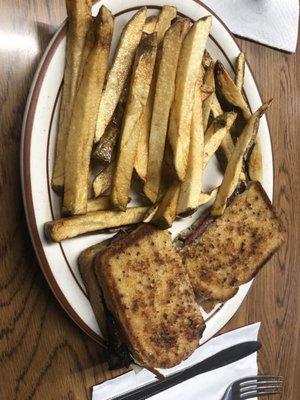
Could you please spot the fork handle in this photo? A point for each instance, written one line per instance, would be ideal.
(218, 360)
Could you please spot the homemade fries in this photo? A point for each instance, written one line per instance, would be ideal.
(83, 121)
(137, 98)
(79, 22)
(190, 60)
(159, 110)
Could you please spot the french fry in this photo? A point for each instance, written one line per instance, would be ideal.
(208, 85)
(206, 109)
(182, 108)
(234, 166)
(233, 95)
(230, 91)
(240, 71)
(105, 147)
(164, 94)
(207, 59)
(137, 98)
(98, 204)
(166, 211)
(66, 228)
(206, 197)
(83, 121)
(191, 187)
(216, 133)
(150, 24)
(216, 108)
(103, 180)
(120, 70)
(79, 22)
(164, 19)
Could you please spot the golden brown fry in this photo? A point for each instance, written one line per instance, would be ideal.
(206, 109)
(182, 108)
(208, 85)
(234, 96)
(164, 19)
(105, 147)
(255, 165)
(120, 70)
(138, 94)
(240, 71)
(103, 180)
(206, 197)
(166, 211)
(164, 94)
(79, 21)
(230, 91)
(234, 167)
(191, 187)
(66, 228)
(98, 204)
(216, 133)
(150, 24)
(216, 108)
(207, 59)
(83, 121)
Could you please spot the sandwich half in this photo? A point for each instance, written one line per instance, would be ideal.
(227, 252)
(147, 290)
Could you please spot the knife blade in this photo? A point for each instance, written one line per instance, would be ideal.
(218, 360)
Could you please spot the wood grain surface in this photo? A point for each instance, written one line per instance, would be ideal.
(43, 355)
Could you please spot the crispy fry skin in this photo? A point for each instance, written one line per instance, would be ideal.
(207, 59)
(98, 204)
(164, 94)
(191, 187)
(230, 91)
(70, 227)
(166, 211)
(216, 133)
(106, 146)
(240, 71)
(182, 108)
(164, 19)
(150, 24)
(233, 95)
(120, 70)
(103, 180)
(79, 21)
(83, 121)
(209, 77)
(234, 166)
(138, 94)
(206, 197)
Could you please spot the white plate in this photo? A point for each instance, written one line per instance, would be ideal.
(58, 261)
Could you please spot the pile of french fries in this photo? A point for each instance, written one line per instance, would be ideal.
(151, 122)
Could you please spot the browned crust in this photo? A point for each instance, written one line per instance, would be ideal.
(230, 291)
(110, 292)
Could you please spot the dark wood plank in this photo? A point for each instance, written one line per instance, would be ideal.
(43, 355)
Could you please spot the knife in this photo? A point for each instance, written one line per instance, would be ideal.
(218, 360)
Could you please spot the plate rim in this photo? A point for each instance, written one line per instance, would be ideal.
(25, 169)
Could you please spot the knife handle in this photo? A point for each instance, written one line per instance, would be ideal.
(218, 360)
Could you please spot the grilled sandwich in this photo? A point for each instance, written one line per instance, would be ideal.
(147, 290)
(227, 252)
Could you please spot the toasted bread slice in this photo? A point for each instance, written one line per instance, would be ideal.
(233, 248)
(146, 288)
(85, 265)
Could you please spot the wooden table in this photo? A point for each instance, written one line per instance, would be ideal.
(43, 355)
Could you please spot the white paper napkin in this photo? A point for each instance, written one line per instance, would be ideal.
(208, 386)
(271, 22)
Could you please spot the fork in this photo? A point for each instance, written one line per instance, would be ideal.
(254, 386)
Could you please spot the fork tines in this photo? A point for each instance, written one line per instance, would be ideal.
(260, 386)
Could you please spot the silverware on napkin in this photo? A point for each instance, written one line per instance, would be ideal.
(218, 360)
